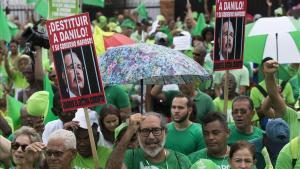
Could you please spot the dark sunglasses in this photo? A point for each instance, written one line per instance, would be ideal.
(55, 153)
(15, 146)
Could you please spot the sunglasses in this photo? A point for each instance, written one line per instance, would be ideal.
(55, 153)
(15, 146)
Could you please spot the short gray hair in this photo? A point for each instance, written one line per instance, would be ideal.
(163, 122)
(67, 136)
(28, 131)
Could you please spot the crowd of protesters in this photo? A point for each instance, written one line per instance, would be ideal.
(183, 126)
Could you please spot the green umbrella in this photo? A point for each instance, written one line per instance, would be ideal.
(94, 2)
(5, 32)
(276, 37)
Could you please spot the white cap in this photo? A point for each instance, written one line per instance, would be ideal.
(79, 116)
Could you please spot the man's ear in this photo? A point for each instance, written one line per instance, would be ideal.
(190, 110)
(73, 153)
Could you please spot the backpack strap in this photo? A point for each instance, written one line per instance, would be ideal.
(262, 90)
(283, 84)
(294, 150)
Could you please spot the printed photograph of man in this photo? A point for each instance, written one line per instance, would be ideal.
(73, 74)
(226, 41)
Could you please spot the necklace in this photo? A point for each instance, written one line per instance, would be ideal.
(223, 157)
(148, 164)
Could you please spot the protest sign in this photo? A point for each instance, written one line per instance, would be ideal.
(63, 8)
(229, 34)
(183, 42)
(72, 44)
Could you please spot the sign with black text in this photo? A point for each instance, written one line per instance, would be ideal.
(75, 61)
(229, 34)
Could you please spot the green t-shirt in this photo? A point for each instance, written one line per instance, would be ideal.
(257, 97)
(202, 154)
(88, 163)
(186, 141)
(115, 95)
(219, 103)
(235, 135)
(241, 77)
(291, 118)
(134, 159)
(204, 164)
(204, 104)
(284, 160)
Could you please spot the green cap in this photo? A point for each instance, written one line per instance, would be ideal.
(195, 15)
(38, 103)
(102, 21)
(127, 23)
(119, 129)
(160, 18)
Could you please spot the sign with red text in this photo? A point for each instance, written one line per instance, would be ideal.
(75, 61)
(229, 34)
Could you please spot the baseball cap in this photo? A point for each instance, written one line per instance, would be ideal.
(38, 103)
(80, 117)
(160, 36)
(277, 131)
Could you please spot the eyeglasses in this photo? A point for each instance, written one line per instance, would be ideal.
(16, 145)
(55, 153)
(155, 131)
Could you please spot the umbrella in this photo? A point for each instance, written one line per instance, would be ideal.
(154, 64)
(117, 40)
(149, 64)
(276, 37)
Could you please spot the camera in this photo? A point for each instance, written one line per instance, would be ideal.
(36, 38)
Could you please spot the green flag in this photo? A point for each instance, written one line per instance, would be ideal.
(13, 110)
(200, 25)
(47, 87)
(13, 28)
(142, 11)
(41, 7)
(94, 2)
(4, 33)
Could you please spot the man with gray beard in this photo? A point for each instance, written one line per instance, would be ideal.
(151, 132)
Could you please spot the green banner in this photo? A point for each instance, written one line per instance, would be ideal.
(63, 8)
(99, 3)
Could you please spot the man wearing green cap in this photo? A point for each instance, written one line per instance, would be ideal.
(33, 112)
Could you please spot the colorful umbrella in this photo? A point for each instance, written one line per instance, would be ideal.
(116, 40)
(276, 37)
(154, 64)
